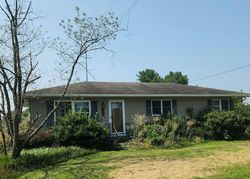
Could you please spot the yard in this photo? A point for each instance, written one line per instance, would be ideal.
(210, 159)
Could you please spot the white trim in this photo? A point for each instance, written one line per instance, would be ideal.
(123, 116)
(72, 106)
(136, 95)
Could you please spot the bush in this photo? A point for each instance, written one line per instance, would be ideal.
(81, 130)
(137, 127)
(168, 130)
(44, 138)
(225, 125)
(155, 134)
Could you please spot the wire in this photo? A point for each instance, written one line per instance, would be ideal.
(220, 73)
(130, 9)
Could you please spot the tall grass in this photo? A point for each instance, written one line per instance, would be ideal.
(39, 158)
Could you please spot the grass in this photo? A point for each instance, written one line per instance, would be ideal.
(237, 171)
(73, 162)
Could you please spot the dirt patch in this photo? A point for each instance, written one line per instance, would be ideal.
(188, 168)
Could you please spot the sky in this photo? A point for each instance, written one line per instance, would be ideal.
(198, 38)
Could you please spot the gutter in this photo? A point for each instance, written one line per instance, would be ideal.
(139, 95)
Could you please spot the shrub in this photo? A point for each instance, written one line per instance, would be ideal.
(44, 138)
(225, 125)
(81, 130)
(137, 126)
(155, 134)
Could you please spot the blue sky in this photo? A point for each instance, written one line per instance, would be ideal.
(196, 37)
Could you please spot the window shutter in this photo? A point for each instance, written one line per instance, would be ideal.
(174, 103)
(148, 108)
(93, 108)
(231, 104)
(209, 104)
(50, 106)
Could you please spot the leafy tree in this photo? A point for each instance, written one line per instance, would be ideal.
(149, 76)
(20, 44)
(176, 77)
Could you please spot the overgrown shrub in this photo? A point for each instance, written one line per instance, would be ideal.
(44, 138)
(137, 126)
(80, 129)
(225, 125)
(155, 134)
(164, 130)
(171, 130)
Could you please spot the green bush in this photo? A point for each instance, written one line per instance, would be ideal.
(225, 125)
(81, 130)
(168, 130)
(155, 134)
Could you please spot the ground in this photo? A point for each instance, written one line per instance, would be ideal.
(206, 160)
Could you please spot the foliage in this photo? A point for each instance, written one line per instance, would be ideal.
(21, 43)
(38, 158)
(226, 125)
(44, 138)
(155, 134)
(229, 125)
(167, 130)
(80, 129)
(176, 77)
(149, 76)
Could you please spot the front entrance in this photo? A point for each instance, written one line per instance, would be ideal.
(117, 117)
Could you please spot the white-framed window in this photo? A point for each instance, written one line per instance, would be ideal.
(162, 106)
(82, 106)
(220, 104)
(72, 105)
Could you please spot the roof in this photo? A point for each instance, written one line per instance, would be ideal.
(130, 89)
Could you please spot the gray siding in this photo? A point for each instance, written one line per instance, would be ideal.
(38, 108)
(197, 104)
(133, 106)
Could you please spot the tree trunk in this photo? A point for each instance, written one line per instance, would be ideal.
(16, 150)
(4, 143)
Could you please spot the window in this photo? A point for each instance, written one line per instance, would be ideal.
(76, 106)
(156, 107)
(216, 104)
(161, 107)
(63, 108)
(81, 106)
(220, 104)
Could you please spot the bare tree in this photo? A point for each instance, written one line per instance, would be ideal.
(18, 65)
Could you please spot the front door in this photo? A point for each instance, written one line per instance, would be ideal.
(117, 117)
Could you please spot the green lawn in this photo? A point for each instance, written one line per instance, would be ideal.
(233, 161)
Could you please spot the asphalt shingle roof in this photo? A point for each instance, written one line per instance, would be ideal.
(130, 89)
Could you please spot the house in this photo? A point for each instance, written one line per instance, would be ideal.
(117, 102)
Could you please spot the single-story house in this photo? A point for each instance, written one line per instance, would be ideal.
(117, 102)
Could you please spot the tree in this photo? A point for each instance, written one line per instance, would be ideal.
(176, 77)
(20, 45)
(149, 76)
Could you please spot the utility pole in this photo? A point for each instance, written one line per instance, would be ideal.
(87, 73)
